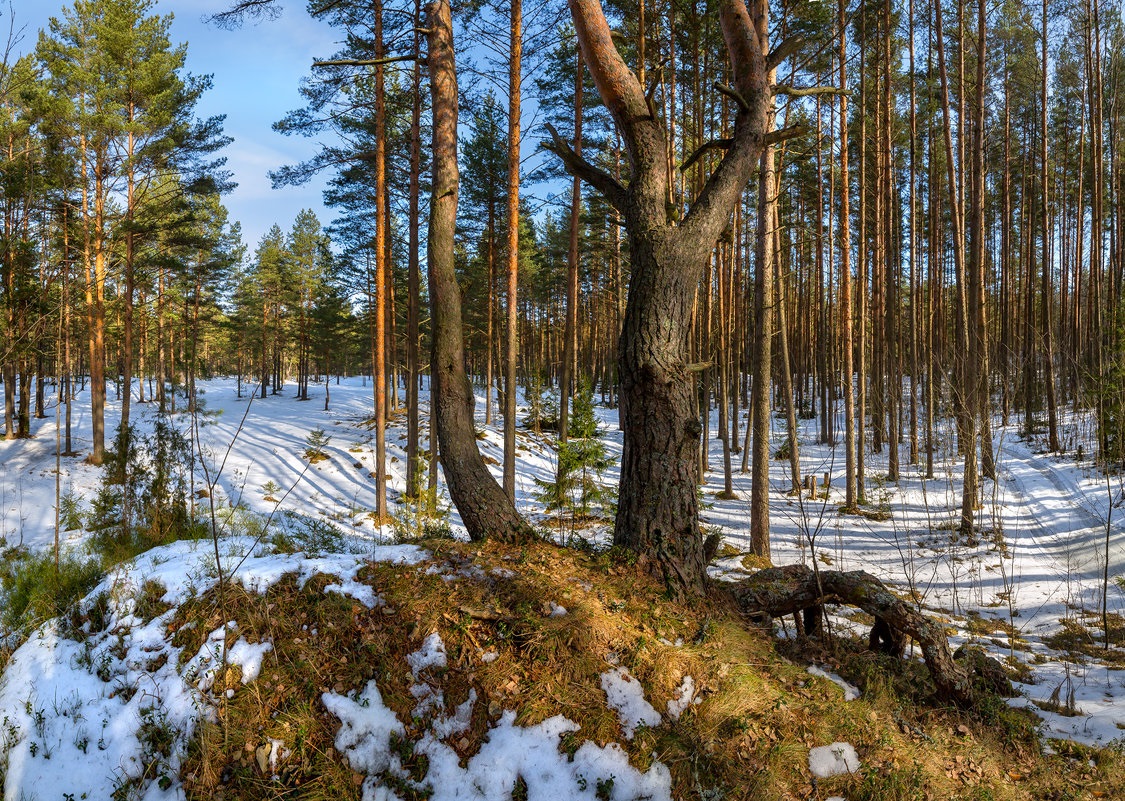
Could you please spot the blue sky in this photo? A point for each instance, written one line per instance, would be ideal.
(256, 72)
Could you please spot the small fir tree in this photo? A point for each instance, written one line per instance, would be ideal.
(578, 488)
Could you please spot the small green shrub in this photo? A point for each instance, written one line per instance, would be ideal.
(70, 512)
(421, 514)
(143, 500)
(316, 442)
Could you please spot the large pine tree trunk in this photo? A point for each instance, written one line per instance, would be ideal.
(485, 509)
(657, 508)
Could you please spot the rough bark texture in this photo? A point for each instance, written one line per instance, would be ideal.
(485, 510)
(794, 588)
(655, 516)
(657, 508)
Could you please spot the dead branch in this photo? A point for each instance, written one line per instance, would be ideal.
(576, 165)
(732, 93)
(361, 62)
(806, 91)
(783, 134)
(714, 144)
(784, 50)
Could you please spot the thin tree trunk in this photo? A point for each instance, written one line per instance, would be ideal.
(845, 311)
(760, 360)
(414, 277)
(514, 70)
(485, 508)
(570, 335)
(380, 245)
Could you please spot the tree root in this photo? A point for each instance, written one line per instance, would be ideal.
(796, 589)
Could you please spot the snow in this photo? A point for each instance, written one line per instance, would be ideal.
(511, 752)
(366, 727)
(851, 692)
(532, 753)
(826, 761)
(626, 696)
(95, 704)
(361, 592)
(249, 656)
(431, 654)
(682, 698)
(1051, 526)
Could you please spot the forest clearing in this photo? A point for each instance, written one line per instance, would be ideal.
(720, 399)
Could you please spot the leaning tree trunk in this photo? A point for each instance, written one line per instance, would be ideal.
(657, 507)
(485, 509)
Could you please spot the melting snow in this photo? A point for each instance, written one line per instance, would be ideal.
(832, 760)
(625, 695)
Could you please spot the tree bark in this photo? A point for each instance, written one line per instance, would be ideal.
(512, 339)
(657, 506)
(570, 334)
(414, 269)
(846, 347)
(485, 509)
(381, 226)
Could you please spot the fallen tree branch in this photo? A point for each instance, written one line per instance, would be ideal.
(790, 589)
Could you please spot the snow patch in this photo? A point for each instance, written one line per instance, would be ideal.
(681, 699)
(833, 760)
(851, 692)
(431, 654)
(625, 695)
(365, 732)
(248, 656)
(361, 592)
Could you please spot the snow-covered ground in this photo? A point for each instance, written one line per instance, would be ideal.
(1048, 526)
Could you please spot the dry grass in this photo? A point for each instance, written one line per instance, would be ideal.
(1082, 638)
(747, 739)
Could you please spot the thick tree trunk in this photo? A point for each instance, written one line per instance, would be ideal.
(485, 509)
(657, 508)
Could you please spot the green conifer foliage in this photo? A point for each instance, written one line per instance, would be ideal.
(578, 489)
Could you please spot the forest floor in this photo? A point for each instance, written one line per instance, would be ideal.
(134, 683)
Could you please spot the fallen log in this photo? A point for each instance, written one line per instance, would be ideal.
(791, 589)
